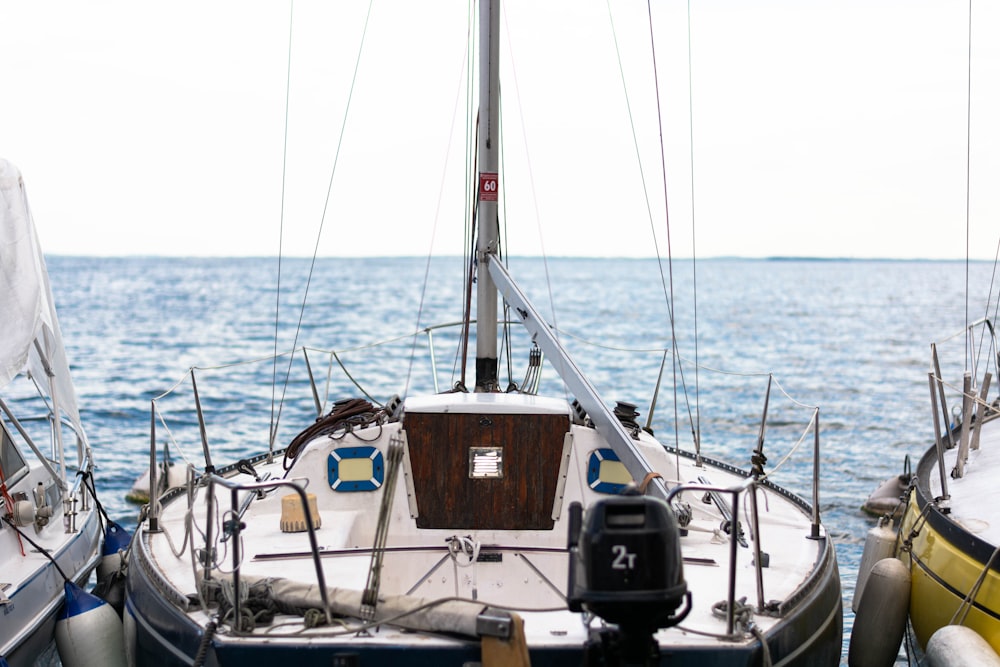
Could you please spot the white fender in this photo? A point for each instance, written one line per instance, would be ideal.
(88, 631)
(176, 475)
(116, 541)
(959, 646)
(880, 543)
(881, 618)
(128, 627)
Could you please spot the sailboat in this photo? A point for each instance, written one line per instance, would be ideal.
(50, 531)
(950, 537)
(943, 541)
(487, 525)
(930, 570)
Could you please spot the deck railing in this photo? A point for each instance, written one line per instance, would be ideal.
(758, 476)
(232, 526)
(975, 406)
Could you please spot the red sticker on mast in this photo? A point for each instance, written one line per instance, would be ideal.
(489, 184)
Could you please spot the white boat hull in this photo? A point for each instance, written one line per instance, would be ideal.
(29, 617)
(523, 570)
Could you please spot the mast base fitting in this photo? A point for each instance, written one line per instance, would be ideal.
(486, 375)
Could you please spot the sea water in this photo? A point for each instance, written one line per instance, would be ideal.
(851, 337)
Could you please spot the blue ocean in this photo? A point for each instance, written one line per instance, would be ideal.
(851, 337)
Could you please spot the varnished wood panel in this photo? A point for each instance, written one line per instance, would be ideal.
(448, 498)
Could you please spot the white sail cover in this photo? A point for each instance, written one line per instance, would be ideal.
(27, 308)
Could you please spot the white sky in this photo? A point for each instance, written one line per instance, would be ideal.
(830, 128)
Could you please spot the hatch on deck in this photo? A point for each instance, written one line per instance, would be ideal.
(485, 461)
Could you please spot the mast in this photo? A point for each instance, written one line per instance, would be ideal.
(488, 237)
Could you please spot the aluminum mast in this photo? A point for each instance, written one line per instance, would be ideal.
(489, 185)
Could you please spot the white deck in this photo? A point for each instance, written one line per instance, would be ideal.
(532, 576)
(982, 519)
(31, 586)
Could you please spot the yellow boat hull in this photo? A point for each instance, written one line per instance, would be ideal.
(946, 560)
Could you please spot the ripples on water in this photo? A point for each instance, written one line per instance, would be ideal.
(851, 337)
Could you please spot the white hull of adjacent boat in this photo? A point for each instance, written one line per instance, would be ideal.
(49, 531)
(32, 587)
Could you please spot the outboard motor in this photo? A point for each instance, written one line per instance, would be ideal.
(626, 567)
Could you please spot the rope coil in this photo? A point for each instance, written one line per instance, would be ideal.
(346, 416)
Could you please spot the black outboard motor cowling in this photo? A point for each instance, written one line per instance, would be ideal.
(626, 567)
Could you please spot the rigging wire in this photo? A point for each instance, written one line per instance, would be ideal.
(437, 216)
(322, 222)
(989, 300)
(667, 281)
(968, 180)
(694, 246)
(469, 269)
(678, 371)
(469, 228)
(281, 228)
(969, 353)
(506, 350)
(38, 549)
(534, 202)
(667, 291)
